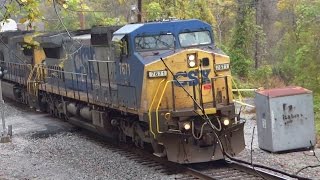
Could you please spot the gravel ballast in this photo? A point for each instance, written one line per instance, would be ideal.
(290, 162)
(46, 148)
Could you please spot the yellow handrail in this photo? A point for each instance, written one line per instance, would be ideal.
(37, 78)
(32, 83)
(235, 85)
(152, 102)
(29, 78)
(158, 105)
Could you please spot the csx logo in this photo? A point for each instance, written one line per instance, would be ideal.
(193, 76)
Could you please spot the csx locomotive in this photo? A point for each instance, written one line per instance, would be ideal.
(163, 84)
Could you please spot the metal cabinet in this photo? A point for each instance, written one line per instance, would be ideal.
(285, 119)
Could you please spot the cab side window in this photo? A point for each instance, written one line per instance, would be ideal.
(121, 47)
(125, 47)
(117, 48)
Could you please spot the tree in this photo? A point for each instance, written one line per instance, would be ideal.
(29, 9)
(242, 41)
(153, 11)
(299, 58)
(71, 10)
(224, 15)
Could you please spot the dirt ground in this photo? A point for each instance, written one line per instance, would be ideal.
(46, 148)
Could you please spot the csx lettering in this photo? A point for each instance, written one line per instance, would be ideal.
(193, 77)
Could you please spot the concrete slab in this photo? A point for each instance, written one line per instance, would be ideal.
(5, 139)
(36, 124)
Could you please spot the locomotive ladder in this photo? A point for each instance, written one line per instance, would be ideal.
(157, 108)
(34, 80)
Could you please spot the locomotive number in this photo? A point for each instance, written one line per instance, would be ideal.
(221, 67)
(124, 68)
(152, 74)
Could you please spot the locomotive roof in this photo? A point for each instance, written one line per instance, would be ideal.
(5, 36)
(175, 26)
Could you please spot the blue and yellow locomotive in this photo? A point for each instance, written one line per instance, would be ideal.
(159, 83)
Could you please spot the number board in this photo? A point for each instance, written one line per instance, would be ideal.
(160, 73)
(221, 67)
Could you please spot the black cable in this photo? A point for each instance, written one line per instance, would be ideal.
(306, 167)
(221, 145)
(314, 153)
(5, 13)
(174, 77)
(200, 84)
(65, 27)
(199, 106)
(258, 165)
(251, 150)
(266, 167)
(239, 114)
(88, 11)
(311, 166)
(251, 156)
(56, 11)
(4, 3)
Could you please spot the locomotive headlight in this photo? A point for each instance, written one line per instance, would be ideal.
(187, 126)
(192, 63)
(192, 60)
(226, 121)
(191, 57)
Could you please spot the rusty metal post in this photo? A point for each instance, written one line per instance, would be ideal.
(82, 20)
(2, 112)
(140, 10)
(4, 137)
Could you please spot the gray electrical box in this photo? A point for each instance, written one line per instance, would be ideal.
(285, 119)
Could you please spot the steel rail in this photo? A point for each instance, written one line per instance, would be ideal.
(232, 170)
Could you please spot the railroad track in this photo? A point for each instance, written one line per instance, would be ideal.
(227, 170)
(224, 169)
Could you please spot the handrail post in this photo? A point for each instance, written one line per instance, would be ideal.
(173, 97)
(77, 79)
(227, 89)
(74, 93)
(194, 95)
(109, 83)
(213, 93)
(90, 75)
(87, 88)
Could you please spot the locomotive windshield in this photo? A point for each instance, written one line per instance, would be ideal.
(155, 42)
(194, 38)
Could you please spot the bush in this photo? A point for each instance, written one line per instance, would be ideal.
(317, 112)
(240, 65)
(266, 77)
